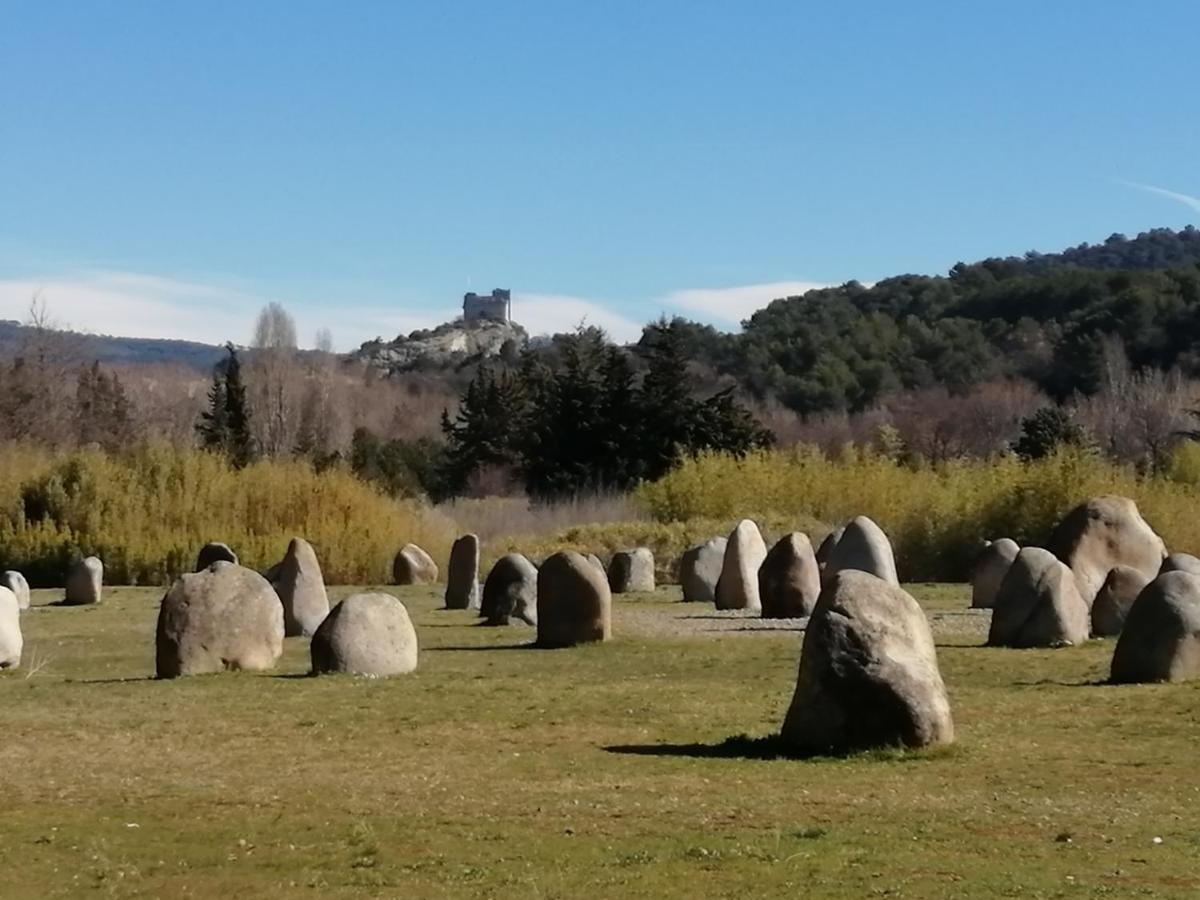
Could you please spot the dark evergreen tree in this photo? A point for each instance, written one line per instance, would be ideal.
(225, 426)
(1045, 431)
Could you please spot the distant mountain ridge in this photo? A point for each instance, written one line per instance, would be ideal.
(109, 350)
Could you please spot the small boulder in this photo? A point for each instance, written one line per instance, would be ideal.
(574, 603)
(991, 565)
(16, 583)
(1101, 534)
(1161, 638)
(221, 618)
(825, 553)
(789, 581)
(1116, 596)
(213, 552)
(737, 588)
(366, 634)
(700, 570)
(301, 590)
(631, 571)
(413, 566)
(85, 583)
(11, 642)
(1180, 562)
(1038, 604)
(510, 592)
(865, 548)
(869, 675)
(462, 574)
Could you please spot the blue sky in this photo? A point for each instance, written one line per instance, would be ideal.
(167, 168)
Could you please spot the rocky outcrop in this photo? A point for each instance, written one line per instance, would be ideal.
(451, 344)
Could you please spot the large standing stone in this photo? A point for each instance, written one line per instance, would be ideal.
(700, 570)
(825, 553)
(631, 571)
(221, 618)
(414, 566)
(991, 565)
(1161, 639)
(85, 582)
(868, 673)
(462, 574)
(1101, 534)
(737, 588)
(16, 583)
(574, 603)
(510, 592)
(864, 547)
(213, 552)
(366, 634)
(1116, 596)
(1181, 562)
(11, 642)
(789, 581)
(1038, 604)
(301, 589)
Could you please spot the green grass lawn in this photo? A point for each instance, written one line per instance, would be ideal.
(502, 771)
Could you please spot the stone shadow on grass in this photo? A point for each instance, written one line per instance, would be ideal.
(772, 746)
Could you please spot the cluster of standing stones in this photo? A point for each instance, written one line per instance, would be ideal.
(868, 674)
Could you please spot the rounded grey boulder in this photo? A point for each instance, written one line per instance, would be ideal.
(366, 634)
(863, 547)
(413, 565)
(85, 583)
(510, 591)
(16, 583)
(301, 590)
(574, 603)
(737, 588)
(789, 581)
(11, 641)
(1105, 532)
(1116, 596)
(631, 571)
(221, 618)
(1038, 604)
(212, 552)
(700, 570)
(1180, 562)
(869, 675)
(991, 565)
(825, 553)
(1161, 638)
(462, 574)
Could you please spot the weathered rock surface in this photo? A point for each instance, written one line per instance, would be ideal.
(700, 570)
(869, 675)
(865, 548)
(462, 574)
(631, 571)
(11, 641)
(510, 592)
(213, 552)
(825, 553)
(413, 566)
(1038, 604)
(574, 603)
(1161, 638)
(991, 565)
(85, 583)
(446, 345)
(1181, 562)
(222, 617)
(301, 589)
(1116, 596)
(1105, 532)
(366, 634)
(789, 581)
(16, 583)
(737, 588)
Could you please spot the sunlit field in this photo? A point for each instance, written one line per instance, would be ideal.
(638, 768)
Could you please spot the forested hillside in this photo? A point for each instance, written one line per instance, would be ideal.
(1044, 317)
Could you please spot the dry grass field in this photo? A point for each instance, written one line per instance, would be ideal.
(640, 768)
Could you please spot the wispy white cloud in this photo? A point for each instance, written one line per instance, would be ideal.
(1186, 199)
(734, 304)
(558, 313)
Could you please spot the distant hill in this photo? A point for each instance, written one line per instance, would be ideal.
(122, 350)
